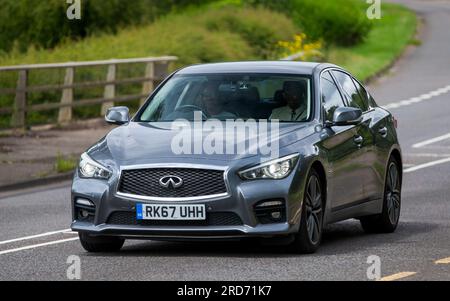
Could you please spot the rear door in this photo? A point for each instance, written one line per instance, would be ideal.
(345, 185)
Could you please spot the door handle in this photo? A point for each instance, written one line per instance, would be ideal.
(358, 140)
(383, 131)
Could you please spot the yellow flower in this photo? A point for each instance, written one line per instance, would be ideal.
(299, 46)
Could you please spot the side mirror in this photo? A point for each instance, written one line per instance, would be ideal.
(347, 116)
(117, 115)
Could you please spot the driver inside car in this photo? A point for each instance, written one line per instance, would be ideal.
(214, 106)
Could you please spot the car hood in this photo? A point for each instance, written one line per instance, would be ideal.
(137, 142)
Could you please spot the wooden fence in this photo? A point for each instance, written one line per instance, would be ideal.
(156, 69)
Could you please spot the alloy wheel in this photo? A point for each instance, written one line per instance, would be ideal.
(393, 194)
(314, 209)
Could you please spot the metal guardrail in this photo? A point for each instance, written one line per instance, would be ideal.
(156, 70)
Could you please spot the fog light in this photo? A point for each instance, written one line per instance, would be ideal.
(84, 202)
(271, 211)
(84, 210)
(275, 215)
(270, 204)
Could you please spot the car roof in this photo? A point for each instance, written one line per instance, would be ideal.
(281, 67)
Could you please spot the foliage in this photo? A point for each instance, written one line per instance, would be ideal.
(195, 36)
(65, 164)
(301, 48)
(44, 23)
(339, 22)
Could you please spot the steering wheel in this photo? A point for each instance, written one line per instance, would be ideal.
(191, 108)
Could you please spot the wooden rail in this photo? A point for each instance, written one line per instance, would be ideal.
(156, 69)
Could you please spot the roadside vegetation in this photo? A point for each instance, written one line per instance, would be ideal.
(65, 164)
(210, 31)
(383, 44)
(44, 23)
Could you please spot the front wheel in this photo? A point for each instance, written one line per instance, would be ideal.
(100, 243)
(387, 220)
(308, 239)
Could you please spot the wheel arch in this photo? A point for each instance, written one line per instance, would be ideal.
(395, 153)
(320, 169)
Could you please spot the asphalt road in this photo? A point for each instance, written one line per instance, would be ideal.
(416, 92)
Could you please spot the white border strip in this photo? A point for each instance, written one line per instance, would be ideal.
(38, 245)
(34, 236)
(417, 99)
(429, 164)
(431, 141)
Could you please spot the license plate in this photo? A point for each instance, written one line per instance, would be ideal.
(170, 212)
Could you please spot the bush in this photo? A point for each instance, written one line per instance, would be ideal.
(44, 23)
(260, 28)
(339, 22)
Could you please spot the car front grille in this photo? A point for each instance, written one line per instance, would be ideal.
(212, 219)
(196, 182)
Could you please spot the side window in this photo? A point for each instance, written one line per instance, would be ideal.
(350, 90)
(368, 100)
(331, 98)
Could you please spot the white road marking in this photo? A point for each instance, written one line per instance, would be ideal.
(38, 245)
(427, 155)
(418, 99)
(398, 276)
(34, 236)
(431, 141)
(425, 165)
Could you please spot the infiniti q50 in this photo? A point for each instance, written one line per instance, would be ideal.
(176, 171)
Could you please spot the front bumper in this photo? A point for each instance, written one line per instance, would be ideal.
(185, 233)
(241, 200)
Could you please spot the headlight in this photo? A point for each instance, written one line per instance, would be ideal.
(92, 169)
(275, 169)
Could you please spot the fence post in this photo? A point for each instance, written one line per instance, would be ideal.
(110, 89)
(65, 113)
(161, 72)
(148, 86)
(18, 116)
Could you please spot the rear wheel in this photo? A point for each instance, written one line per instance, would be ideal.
(308, 239)
(387, 221)
(100, 243)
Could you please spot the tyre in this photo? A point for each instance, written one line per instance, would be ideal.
(100, 243)
(387, 220)
(308, 239)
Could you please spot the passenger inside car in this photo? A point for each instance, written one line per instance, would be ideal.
(295, 95)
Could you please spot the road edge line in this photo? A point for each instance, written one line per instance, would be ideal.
(38, 245)
(425, 165)
(34, 236)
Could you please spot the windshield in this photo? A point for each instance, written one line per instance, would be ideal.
(285, 98)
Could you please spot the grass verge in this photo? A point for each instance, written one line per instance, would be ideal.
(65, 164)
(385, 43)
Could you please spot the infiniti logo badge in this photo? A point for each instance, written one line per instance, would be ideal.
(171, 182)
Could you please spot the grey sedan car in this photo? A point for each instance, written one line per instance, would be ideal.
(230, 151)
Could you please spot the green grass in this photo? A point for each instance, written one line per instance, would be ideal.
(65, 164)
(206, 35)
(388, 38)
(209, 34)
